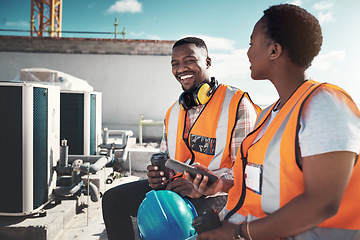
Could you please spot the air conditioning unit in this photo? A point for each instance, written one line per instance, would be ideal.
(80, 121)
(29, 144)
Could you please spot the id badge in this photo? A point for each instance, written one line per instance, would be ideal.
(253, 177)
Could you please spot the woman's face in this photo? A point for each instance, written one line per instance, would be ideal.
(259, 52)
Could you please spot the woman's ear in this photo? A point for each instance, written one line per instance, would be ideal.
(275, 51)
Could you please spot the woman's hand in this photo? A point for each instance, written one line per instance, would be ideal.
(200, 182)
(226, 231)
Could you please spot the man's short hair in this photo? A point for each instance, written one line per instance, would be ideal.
(197, 41)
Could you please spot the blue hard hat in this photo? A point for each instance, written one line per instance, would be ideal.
(164, 214)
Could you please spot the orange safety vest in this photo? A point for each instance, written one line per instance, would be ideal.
(209, 139)
(282, 177)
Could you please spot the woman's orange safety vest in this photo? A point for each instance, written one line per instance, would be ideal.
(276, 158)
(209, 139)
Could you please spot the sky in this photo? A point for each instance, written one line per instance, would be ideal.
(225, 26)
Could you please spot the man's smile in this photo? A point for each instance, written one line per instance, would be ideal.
(186, 77)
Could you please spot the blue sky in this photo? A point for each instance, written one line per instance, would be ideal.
(224, 25)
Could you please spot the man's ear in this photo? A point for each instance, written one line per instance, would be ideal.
(208, 62)
(275, 51)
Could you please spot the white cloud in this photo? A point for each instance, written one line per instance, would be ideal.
(139, 34)
(122, 6)
(144, 35)
(323, 5)
(326, 61)
(326, 17)
(232, 65)
(296, 2)
(233, 68)
(325, 14)
(227, 61)
(215, 43)
(18, 24)
(153, 37)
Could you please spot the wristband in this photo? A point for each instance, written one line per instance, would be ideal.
(237, 232)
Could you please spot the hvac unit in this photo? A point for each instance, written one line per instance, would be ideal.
(29, 143)
(80, 121)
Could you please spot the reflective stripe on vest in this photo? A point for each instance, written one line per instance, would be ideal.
(172, 134)
(216, 122)
(282, 178)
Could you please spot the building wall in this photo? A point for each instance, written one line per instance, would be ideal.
(133, 75)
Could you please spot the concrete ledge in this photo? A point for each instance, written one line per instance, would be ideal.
(37, 227)
(140, 157)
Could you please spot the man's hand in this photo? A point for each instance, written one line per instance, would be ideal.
(156, 178)
(183, 187)
(226, 231)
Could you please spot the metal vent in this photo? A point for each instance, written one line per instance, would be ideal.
(11, 149)
(40, 113)
(72, 121)
(92, 124)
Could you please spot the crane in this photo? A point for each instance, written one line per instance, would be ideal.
(46, 17)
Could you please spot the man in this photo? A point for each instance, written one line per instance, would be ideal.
(205, 126)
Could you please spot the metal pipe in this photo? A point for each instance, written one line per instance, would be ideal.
(77, 170)
(64, 153)
(90, 158)
(93, 168)
(69, 190)
(125, 134)
(123, 156)
(140, 130)
(115, 24)
(146, 122)
(114, 145)
(105, 135)
(93, 192)
(63, 170)
(120, 132)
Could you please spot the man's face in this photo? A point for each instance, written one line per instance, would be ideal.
(190, 65)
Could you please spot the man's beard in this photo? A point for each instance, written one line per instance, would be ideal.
(191, 90)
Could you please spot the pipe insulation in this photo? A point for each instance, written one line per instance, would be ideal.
(94, 192)
(90, 159)
(124, 155)
(93, 168)
(64, 153)
(69, 190)
(62, 170)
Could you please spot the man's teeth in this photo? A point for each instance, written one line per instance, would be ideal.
(186, 76)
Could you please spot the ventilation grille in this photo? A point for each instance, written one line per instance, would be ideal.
(92, 124)
(40, 113)
(11, 149)
(72, 121)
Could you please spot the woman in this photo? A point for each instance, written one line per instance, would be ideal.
(296, 175)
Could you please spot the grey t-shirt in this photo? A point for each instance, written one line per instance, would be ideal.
(327, 125)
